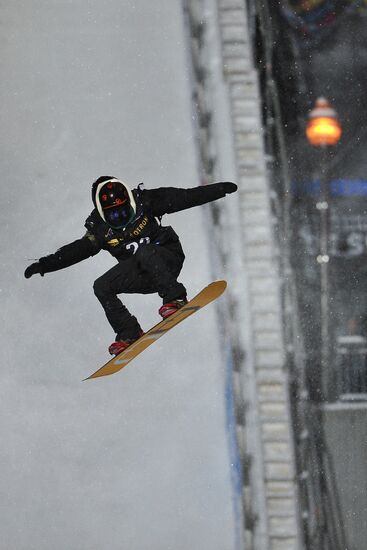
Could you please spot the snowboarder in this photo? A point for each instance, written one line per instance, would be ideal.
(127, 223)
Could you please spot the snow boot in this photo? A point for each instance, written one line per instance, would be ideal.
(120, 345)
(171, 307)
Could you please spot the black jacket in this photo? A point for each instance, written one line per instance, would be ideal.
(145, 228)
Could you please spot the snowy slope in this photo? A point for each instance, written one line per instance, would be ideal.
(137, 461)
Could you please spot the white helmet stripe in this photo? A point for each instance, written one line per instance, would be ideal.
(99, 187)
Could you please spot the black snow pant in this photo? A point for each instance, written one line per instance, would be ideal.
(153, 268)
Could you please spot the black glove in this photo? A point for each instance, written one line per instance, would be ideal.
(33, 269)
(229, 187)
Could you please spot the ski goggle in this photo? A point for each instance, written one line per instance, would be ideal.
(119, 216)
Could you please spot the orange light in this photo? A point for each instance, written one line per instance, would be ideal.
(323, 127)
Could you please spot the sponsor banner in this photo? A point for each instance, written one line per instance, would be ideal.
(347, 251)
(348, 217)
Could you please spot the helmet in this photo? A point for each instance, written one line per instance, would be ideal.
(114, 201)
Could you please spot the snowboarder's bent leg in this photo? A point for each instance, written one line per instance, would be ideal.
(162, 267)
(151, 269)
(106, 289)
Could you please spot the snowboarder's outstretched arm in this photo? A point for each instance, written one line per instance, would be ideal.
(166, 200)
(67, 255)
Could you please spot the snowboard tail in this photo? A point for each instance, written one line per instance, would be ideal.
(207, 295)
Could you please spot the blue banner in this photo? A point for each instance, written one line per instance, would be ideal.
(338, 188)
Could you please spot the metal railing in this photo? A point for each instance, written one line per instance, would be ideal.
(350, 381)
(322, 518)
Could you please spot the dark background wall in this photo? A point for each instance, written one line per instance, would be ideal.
(319, 48)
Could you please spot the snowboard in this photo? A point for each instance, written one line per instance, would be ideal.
(207, 295)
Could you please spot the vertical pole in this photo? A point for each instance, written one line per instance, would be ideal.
(323, 206)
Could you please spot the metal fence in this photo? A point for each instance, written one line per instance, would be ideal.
(350, 383)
